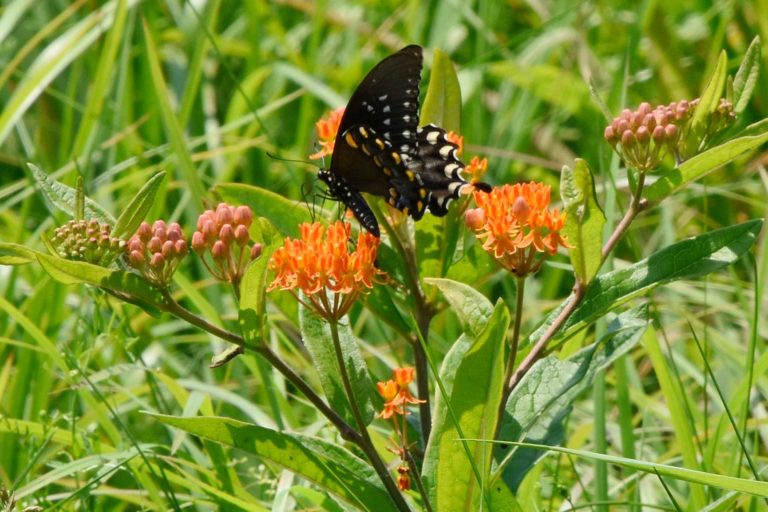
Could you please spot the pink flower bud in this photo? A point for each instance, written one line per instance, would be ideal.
(649, 122)
(219, 251)
(209, 230)
(144, 232)
(134, 244)
(155, 244)
(626, 115)
(203, 218)
(244, 216)
(158, 224)
(168, 250)
(241, 234)
(174, 232)
(637, 119)
(226, 234)
(136, 259)
(658, 135)
(181, 247)
(224, 214)
(475, 218)
(198, 242)
(643, 135)
(628, 138)
(157, 261)
(609, 134)
(622, 127)
(256, 251)
(644, 108)
(671, 132)
(521, 209)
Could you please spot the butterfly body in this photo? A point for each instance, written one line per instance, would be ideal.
(381, 150)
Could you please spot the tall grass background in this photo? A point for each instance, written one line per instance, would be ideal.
(209, 91)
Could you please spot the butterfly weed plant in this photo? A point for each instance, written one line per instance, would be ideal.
(453, 432)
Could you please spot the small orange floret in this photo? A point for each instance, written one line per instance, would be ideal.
(326, 133)
(456, 139)
(515, 223)
(396, 393)
(476, 169)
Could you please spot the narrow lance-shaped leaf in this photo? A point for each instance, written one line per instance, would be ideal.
(137, 209)
(455, 472)
(64, 198)
(80, 199)
(585, 221)
(537, 407)
(746, 77)
(708, 103)
(704, 163)
(327, 464)
(688, 259)
(316, 334)
(442, 104)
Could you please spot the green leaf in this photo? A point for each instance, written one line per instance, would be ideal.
(689, 259)
(80, 199)
(64, 198)
(253, 288)
(688, 475)
(284, 214)
(455, 472)
(538, 405)
(702, 164)
(129, 286)
(585, 221)
(316, 334)
(709, 99)
(746, 77)
(137, 209)
(442, 103)
(472, 307)
(326, 464)
(15, 254)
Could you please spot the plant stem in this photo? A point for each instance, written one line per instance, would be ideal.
(423, 318)
(347, 432)
(366, 443)
(513, 345)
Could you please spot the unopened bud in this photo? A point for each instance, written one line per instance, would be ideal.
(157, 261)
(226, 234)
(241, 234)
(198, 242)
(243, 216)
(475, 218)
(256, 251)
(155, 244)
(219, 250)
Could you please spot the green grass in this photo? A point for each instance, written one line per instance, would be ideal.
(115, 91)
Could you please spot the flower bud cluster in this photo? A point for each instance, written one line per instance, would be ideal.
(643, 136)
(87, 240)
(156, 250)
(224, 234)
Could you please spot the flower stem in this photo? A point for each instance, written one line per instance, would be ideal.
(347, 432)
(513, 345)
(366, 443)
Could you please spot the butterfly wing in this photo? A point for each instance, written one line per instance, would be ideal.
(377, 140)
(440, 169)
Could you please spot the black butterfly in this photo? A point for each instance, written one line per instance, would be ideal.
(381, 150)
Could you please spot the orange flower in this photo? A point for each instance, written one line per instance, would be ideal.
(318, 265)
(396, 393)
(326, 133)
(456, 139)
(476, 169)
(517, 224)
(403, 478)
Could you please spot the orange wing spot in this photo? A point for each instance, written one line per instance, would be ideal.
(380, 143)
(363, 132)
(351, 141)
(387, 171)
(366, 150)
(396, 157)
(377, 160)
(422, 193)
(410, 175)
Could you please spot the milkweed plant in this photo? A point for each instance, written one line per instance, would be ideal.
(437, 431)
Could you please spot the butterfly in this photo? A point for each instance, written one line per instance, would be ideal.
(380, 149)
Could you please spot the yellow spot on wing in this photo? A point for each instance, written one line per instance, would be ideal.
(396, 157)
(350, 141)
(380, 143)
(410, 175)
(363, 132)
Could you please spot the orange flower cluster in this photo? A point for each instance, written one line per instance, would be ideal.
(320, 262)
(517, 225)
(326, 133)
(456, 139)
(396, 394)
